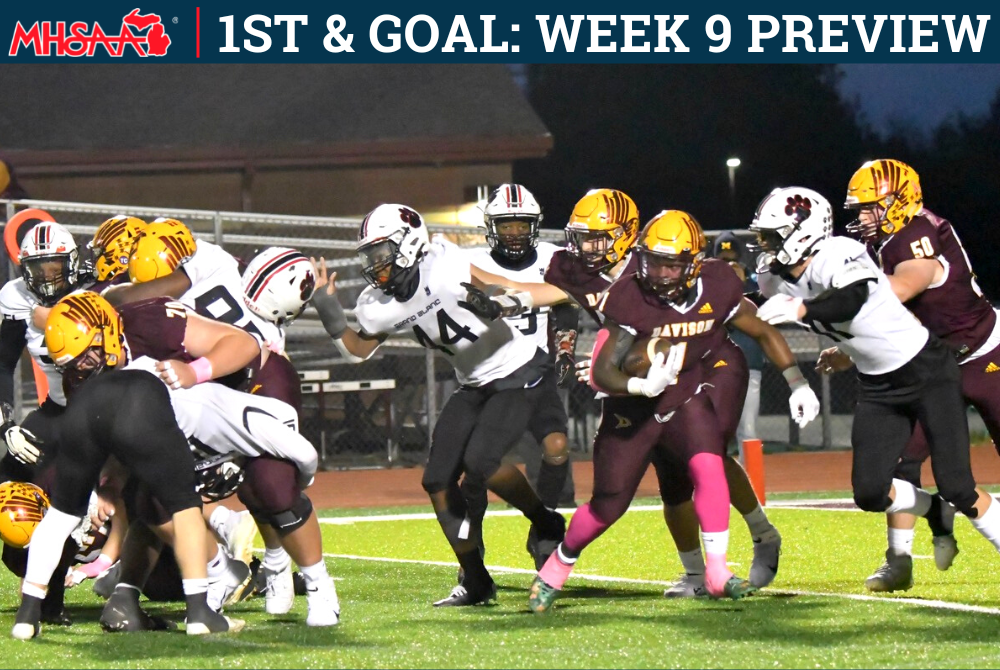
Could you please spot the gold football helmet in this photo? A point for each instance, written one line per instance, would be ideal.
(84, 333)
(112, 244)
(159, 250)
(22, 506)
(892, 189)
(602, 228)
(671, 250)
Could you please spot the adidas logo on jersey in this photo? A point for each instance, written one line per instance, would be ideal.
(623, 421)
(720, 364)
(992, 367)
(706, 308)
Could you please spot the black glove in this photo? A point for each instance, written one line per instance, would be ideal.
(565, 355)
(480, 304)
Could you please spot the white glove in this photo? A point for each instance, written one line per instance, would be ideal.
(583, 370)
(22, 445)
(804, 405)
(662, 373)
(780, 309)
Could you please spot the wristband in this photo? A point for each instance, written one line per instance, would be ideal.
(202, 369)
(793, 375)
(635, 386)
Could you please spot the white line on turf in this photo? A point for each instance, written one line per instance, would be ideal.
(429, 516)
(919, 602)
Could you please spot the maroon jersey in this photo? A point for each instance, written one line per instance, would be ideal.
(155, 328)
(277, 378)
(956, 310)
(101, 286)
(700, 323)
(585, 286)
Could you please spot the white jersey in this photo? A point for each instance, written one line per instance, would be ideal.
(16, 303)
(480, 351)
(884, 335)
(229, 421)
(533, 324)
(217, 292)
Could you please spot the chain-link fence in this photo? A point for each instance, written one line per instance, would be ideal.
(381, 412)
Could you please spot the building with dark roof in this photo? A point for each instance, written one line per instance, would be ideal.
(298, 139)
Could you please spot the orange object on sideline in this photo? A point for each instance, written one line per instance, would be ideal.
(42, 382)
(753, 463)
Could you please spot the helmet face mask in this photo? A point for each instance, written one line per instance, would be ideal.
(49, 277)
(381, 266)
(596, 248)
(669, 276)
(49, 262)
(512, 217)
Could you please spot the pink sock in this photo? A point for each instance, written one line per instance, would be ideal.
(555, 572)
(711, 492)
(584, 528)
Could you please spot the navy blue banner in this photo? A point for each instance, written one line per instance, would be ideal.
(565, 32)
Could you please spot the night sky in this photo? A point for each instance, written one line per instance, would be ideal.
(921, 96)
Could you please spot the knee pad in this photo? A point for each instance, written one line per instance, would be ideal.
(290, 520)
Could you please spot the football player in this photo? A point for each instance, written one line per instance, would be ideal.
(126, 415)
(512, 217)
(689, 402)
(415, 289)
(906, 376)
(601, 235)
(930, 273)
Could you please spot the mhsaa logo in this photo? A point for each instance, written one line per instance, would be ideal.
(52, 38)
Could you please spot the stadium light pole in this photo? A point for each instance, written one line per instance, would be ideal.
(732, 164)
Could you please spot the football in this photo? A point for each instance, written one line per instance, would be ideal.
(641, 354)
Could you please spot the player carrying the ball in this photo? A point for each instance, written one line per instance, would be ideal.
(679, 406)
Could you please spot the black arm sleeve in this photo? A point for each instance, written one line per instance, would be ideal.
(841, 305)
(13, 338)
(565, 316)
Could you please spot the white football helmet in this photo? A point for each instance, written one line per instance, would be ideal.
(50, 262)
(512, 217)
(390, 244)
(788, 223)
(278, 283)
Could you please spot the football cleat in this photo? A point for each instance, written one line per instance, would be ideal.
(27, 622)
(324, 606)
(945, 551)
(687, 586)
(461, 596)
(230, 587)
(26, 631)
(737, 588)
(766, 552)
(123, 614)
(541, 596)
(213, 622)
(896, 574)
(279, 590)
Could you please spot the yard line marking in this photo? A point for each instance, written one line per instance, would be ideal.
(500, 569)
(429, 516)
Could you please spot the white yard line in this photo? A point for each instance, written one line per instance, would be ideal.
(919, 602)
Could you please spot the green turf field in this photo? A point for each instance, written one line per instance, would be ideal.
(612, 614)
